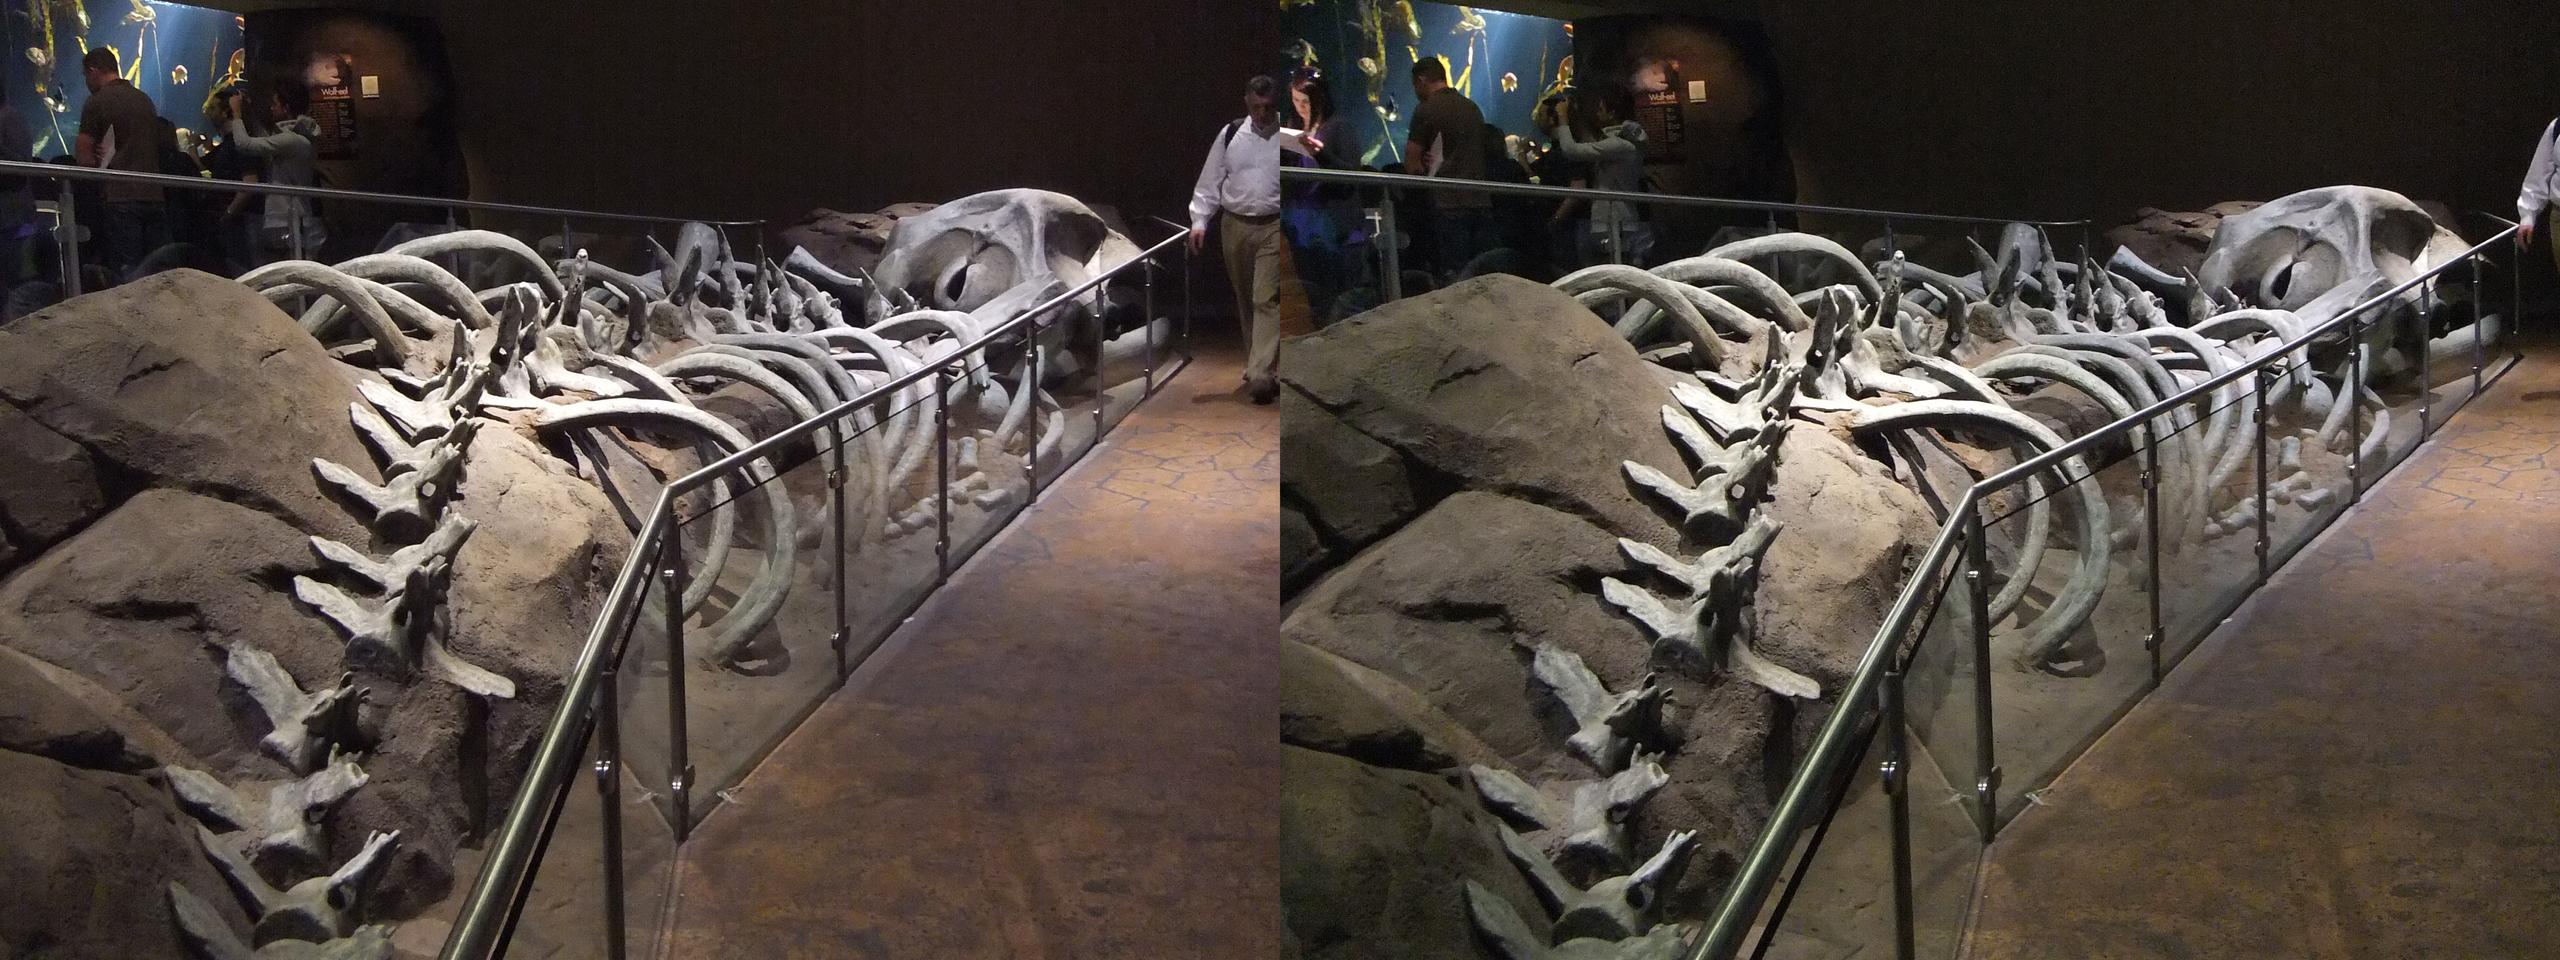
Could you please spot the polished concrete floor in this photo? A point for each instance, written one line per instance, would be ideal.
(2360, 764)
(1070, 751)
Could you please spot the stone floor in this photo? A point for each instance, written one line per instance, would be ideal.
(2359, 763)
(1070, 751)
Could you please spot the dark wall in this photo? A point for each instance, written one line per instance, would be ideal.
(766, 110)
(405, 138)
(2037, 110)
(1732, 140)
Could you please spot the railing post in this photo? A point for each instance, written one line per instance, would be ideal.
(1101, 383)
(608, 710)
(1892, 775)
(2426, 356)
(834, 434)
(2154, 640)
(1147, 315)
(1390, 262)
(679, 761)
(2264, 377)
(1031, 382)
(1189, 309)
(2515, 302)
(2480, 331)
(1977, 575)
(67, 227)
(2353, 397)
(942, 383)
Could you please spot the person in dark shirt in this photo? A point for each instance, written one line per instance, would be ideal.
(1447, 140)
(120, 130)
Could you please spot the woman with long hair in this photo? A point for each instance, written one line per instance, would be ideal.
(1324, 221)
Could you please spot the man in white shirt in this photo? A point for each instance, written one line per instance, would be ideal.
(1240, 187)
(2541, 180)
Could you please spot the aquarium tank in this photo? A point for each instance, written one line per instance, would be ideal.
(177, 54)
(1505, 62)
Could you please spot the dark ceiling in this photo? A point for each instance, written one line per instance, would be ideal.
(1553, 9)
(1570, 9)
(415, 8)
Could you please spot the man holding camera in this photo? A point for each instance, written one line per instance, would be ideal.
(291, 225)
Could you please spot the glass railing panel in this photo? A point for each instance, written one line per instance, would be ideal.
(566, 910)
(1836, 899)
(990, 449)
(2398, 400)
(1939, 691)
(2461, 346)
(1070, 406)
(1123, 357)
(2208, 531)
(2306, 479)
(893, 511)
(642, 689)
(31, 259)
(1845, 900)
(2071, 611)
(1946, 854)
(639, 699)
(760, 567)
(1334, 232)
(1941, 751)
(1173, 286)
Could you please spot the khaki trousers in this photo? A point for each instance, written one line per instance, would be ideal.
(1257, 255)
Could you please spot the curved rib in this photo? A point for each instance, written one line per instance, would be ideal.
(763, 595)
(464, 241)
(2078, 596)
(1778, 243)
(1671, 297)
(1703, 271)
(275, 280)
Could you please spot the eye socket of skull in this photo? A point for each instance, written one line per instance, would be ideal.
(990, 272)
(2294, 279)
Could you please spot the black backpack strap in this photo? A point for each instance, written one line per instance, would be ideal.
(1229, 135)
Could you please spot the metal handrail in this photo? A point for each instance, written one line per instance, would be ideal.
(485, 916)
(64, 171)
(1750, 885)
(1376, 179)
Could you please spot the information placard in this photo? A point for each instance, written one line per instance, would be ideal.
(1660, 114)
(333, 104)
